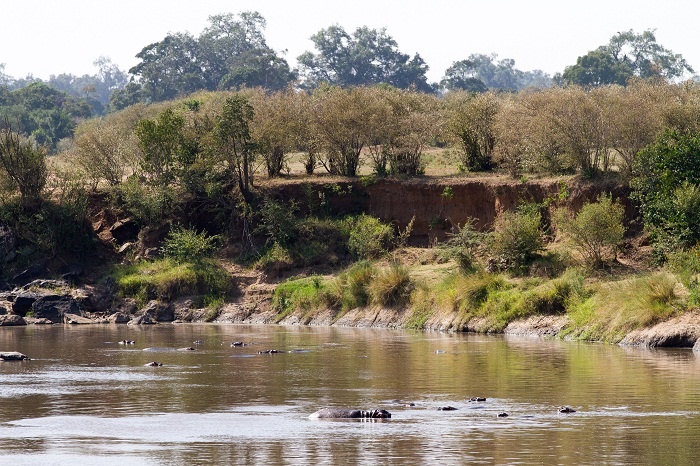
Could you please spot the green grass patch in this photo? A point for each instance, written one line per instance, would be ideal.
(304, 294)
(168, 279)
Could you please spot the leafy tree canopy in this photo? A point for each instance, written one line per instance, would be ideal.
(627, 55)
(480, 72)
(42, 112)
(367, 57)
(230, 53)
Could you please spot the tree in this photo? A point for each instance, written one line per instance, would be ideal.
(480, 72)
(346, 121)
(626, 55)
(234, 140)
(461, 76)
(276, 126)
(165, 151)
(169, 68)
(24, 165)
(469, 121)
(234, 54)
(230, 53)
(666, 185)
(367, 57)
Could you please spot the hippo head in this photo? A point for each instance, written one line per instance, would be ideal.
(377, 414)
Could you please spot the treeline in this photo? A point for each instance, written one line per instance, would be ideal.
(342, 130)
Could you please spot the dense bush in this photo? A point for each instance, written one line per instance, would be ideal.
(369, 237)
(186, 244)
(595, 231)
(517, 239)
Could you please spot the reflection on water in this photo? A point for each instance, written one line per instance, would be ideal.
(85, 398)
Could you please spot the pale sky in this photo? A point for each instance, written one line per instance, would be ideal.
(45, 37)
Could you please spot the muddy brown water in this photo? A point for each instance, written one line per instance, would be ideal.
(86, 399)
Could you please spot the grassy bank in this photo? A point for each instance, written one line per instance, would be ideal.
(599, 307)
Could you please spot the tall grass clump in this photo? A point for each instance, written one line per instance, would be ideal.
(350, 289)
(617, 308)
(391, 286)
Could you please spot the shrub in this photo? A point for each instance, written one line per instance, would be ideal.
(278, 222)
(369, 237)
(463, 244)
(517, 239)
(185, 244)
(391, 286)
(24, 166)
(595, 231)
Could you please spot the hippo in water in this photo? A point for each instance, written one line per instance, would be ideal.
(344, 413)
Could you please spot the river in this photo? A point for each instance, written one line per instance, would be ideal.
(85, 398)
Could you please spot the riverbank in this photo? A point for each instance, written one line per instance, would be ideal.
(630, 302)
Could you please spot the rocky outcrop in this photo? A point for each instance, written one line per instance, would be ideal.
(143, 319)
(682, 332)
(9, 320)
(159, 311)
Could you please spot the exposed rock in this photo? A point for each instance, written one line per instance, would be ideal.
(682, 331)
(159, 311)
(11, 320)
(119, 318)
(99, 298)
(45, 285)
(125, 247)
(33, 271)
(22, 302)
(55, 307)
(40, 321)
(12, 356)
(126, 230)
(76, 319)
(8, 241)
(143, 319)
(538, 326)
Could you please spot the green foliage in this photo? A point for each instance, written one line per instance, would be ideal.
(166, 153)
(233, 141)
(186, 244)
(667, 176)
(305, 295)
(230, 53)
(391, 286)
(350, 289)
(278, 222)
(369, 237)
(516, 240)
(24, 166)
(627, 55)
(685, 263)
(463, 244)
(596, 230)
(43, 114)
(167, 279)
(148, 203)
(365, 58)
